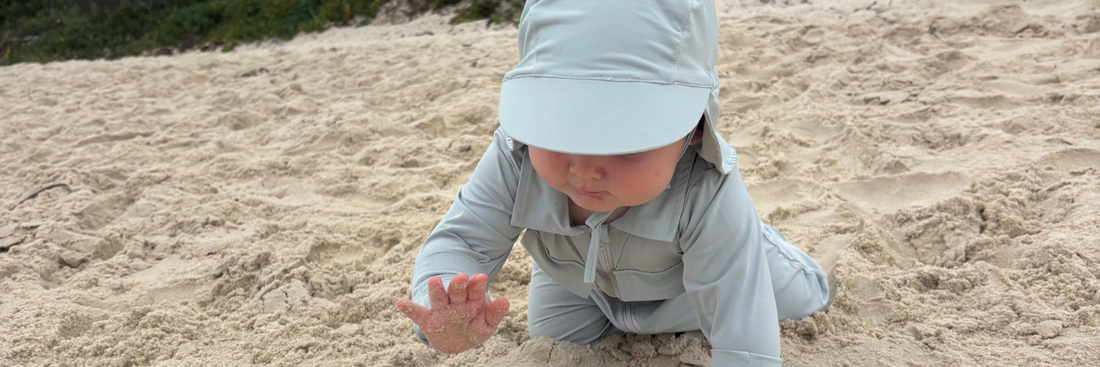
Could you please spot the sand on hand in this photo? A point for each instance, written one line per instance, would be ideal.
(265, 206)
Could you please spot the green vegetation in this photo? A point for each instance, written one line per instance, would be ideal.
(497, 11)
(49, 30)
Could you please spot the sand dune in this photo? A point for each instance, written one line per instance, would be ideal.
(265, 206)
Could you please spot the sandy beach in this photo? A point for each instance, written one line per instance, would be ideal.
(940, 159)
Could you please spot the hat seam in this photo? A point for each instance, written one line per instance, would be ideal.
(653, 81)
(680, 42)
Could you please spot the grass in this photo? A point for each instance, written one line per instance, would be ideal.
(50, 30)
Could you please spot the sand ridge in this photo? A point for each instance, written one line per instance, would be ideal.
(265, 206)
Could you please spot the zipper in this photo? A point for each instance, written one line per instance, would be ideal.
(606, 265)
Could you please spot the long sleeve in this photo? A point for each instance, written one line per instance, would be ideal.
(726, 274)
(475, 235)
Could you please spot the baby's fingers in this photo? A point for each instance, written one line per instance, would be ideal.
(477, 287)
(457, 289)
(486, 324)
(417, 313)
(437, 296)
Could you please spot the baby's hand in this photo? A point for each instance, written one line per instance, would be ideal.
(460, 317)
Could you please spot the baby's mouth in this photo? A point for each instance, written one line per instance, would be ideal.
(589, 193)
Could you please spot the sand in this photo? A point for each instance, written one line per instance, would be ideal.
(940, 158)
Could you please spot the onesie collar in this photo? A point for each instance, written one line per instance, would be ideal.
(539, 207)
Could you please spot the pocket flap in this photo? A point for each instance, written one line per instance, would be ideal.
(637, 285)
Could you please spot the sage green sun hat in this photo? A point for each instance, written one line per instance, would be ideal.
(599, 77)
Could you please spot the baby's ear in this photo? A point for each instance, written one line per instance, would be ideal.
(698, 135)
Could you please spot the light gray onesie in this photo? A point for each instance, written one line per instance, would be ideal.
(697, 257)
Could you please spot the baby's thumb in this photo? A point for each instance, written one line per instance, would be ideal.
(413, 311)
(495, 311)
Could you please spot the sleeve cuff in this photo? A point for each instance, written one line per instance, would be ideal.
(420, 335)
(723, 358)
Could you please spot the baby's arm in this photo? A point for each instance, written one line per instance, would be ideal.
(726, 274)
(475, 236)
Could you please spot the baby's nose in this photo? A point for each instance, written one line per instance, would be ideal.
(585, 167)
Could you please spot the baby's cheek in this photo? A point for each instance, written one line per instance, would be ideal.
(646, 186)
(544, 165)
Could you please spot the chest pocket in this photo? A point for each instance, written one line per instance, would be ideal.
(561, 249)
(649, 270)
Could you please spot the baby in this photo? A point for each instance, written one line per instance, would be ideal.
(635, 214)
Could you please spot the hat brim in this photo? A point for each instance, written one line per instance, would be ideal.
(598, 117)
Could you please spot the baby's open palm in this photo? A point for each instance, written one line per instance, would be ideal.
(460, 317)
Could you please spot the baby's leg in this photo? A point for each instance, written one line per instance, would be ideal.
(800, 285)
(555, 312)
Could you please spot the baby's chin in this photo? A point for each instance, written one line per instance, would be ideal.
(588, 203)
(607, 203)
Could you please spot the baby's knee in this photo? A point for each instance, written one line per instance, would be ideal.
(579, 327)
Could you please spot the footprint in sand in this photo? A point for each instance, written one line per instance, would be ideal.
(1016, 87)
(1070, 160)
(771, 195)
(170, 280)
(327, 142)
(106, 138)
(101, 212)
(888, 194)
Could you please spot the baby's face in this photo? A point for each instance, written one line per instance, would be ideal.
(605, 183)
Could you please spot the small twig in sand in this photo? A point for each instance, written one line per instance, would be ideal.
(254, 72)
(473, 64)
(35, 194)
